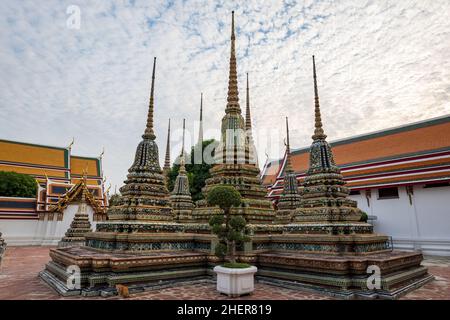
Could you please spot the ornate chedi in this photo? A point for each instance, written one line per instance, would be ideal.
(326, 247)
(166, 168)
(324, 196)
(180, 197)
(290, 198)
(234, 163)
(80, 226)
(144, 196)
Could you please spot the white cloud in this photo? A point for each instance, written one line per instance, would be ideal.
(380, 64)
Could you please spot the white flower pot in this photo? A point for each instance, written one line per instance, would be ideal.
(235, 281)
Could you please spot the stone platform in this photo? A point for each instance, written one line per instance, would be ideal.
(101, 271)
(345, 276)
(342, 274)
(19, 280)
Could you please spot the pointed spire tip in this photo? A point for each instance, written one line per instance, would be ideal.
(318, 131)
(149, 133)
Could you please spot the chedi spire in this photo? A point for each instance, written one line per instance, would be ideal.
(233, 92)
(149, 133)
(318, 131)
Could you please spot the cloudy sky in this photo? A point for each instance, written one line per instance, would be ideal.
(380, 64)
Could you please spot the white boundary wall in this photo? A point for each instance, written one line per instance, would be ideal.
(423, 225)
(37, 232)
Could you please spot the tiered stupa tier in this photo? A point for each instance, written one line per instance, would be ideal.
(80, 226)
(180, 197)
(234, 163)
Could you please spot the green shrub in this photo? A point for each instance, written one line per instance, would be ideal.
(225, 197)
(364, 217)
(13, 184)
(235, 265)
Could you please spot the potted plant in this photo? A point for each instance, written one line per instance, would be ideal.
(233, 278)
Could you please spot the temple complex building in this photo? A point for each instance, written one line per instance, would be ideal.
(398, 176)
(153, 237)
(44, 219)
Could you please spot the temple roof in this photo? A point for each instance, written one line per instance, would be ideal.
(41, 160)
(75, 194)
(416, 152)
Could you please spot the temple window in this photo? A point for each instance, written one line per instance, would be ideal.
(388, 193)
(437, 185)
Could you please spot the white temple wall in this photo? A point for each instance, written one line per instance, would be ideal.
(423, 225)
(36, 232)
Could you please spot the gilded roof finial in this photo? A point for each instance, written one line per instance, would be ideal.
(318, 131)
(233, 93)
(69, 147)
(149, 133)
(248, 118)
(85, 173)
(167, 159)
(102, 153)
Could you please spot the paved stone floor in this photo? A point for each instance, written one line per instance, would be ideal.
(19, 280)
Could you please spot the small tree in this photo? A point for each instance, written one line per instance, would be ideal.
(197, 172)
(13, 184)
(230, 230)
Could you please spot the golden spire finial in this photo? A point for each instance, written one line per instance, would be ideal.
(248, 118)
(149, 133)
(288, 148)
(201, 106)
(200, 129)
(233, 93)
(318, 131)
(182, 160)
(167, 159)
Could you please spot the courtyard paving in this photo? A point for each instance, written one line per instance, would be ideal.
(21, 265)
